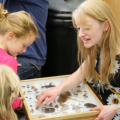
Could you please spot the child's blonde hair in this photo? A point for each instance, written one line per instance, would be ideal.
(20, 23)
(100, 11)
(9, 90)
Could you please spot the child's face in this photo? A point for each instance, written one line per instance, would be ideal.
(19, 45)
(91, 35)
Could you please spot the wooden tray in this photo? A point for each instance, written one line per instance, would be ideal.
(91, 115)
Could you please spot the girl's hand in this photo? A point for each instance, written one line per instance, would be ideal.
(18, 63)
(51, 94)
(107, 112)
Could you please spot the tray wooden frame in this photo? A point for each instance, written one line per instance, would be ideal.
(91, 115)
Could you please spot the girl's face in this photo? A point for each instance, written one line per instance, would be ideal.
(91, 35)
(19, 45)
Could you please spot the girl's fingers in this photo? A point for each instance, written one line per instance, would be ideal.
(19, 65)
(22, 98)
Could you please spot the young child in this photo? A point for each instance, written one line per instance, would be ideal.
(9, 90)
(17, 31)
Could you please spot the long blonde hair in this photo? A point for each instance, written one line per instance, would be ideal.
(100, 11)
(21, 23)
(9, 90)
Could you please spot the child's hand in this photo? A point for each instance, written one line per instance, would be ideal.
(22, 98)
(18, 63)
(19, 108)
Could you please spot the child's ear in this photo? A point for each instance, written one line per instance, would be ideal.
(106, 25)
(11, 36)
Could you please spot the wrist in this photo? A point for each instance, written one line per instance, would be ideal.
(59, 89)
(63, 87)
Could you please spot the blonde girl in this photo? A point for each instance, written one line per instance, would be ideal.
(17, 32)
(9, 90)
(98, 52)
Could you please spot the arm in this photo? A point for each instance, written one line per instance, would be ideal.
(10, 61)
(16, 103)
(13, 64)
(71, 82)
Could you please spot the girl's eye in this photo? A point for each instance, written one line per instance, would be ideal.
(24, 46)
(78, 28)
(87, 28)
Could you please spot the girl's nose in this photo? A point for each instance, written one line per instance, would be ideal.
(81, 32)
